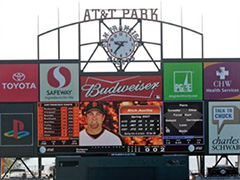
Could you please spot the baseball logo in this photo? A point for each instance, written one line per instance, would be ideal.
(59, 77)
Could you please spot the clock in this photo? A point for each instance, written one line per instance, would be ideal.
(120, 44)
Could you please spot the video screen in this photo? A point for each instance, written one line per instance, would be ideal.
(116, 127)
(183, 126)
(100, 127)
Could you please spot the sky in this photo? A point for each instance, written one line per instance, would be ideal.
(21, 21)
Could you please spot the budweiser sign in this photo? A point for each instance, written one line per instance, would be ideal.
(116, 88)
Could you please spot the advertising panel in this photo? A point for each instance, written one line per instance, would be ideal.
(183, 126)
(59, 82)
(221, 80)
(17, 130)
(224, 127)
(182, 81)
(119, 88)
(103, 127)
(19, 82)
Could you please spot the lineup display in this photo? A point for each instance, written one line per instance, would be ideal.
(58, 124)
(183, 126)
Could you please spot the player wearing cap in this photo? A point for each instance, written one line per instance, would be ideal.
(95, 134)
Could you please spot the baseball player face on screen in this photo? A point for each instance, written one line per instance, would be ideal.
(95, 134)
(94, 121)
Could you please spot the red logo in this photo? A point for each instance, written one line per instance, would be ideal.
(59, 77)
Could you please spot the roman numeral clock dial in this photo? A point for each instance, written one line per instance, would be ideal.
(120, 45)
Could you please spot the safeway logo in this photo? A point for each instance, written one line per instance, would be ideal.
(18, 76)
(18, 130)
(59, 77)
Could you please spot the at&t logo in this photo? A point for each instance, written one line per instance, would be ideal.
(59, 77)
(18, 130)
(18, 84)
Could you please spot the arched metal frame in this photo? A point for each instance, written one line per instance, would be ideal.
(157, 62)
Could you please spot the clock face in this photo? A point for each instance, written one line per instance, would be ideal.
(120, 44)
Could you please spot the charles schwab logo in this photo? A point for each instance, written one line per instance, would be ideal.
(226, 144)
(59, 77)
(18, 83)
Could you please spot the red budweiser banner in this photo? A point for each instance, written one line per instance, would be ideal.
(119, 88)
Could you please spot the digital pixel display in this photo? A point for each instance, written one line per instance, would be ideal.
(183, 126)
(58, 124)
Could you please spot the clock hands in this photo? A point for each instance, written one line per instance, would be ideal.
(120, 44)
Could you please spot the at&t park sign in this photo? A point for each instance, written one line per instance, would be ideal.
(93, 14)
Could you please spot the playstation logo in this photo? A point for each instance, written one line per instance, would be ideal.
(18, 130)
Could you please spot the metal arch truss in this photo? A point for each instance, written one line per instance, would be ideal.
(120, 64)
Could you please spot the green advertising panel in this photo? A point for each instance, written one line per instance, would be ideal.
(182, 81)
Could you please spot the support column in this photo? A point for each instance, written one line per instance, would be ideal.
(0, 167)
(202, 165)
(39, 167)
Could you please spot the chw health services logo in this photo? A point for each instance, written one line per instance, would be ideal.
(18, 130)
(183, 81)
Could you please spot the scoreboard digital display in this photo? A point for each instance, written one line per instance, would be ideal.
(139, 120)
(58, 124)
(183, 126)
(124, 127)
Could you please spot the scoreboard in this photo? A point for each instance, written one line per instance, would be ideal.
(142, 127)
(58, 124)
(183, 126)
(140, 120)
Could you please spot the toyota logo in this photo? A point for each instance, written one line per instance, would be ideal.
(18, 76)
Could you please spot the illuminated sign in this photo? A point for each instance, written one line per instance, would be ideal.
(16, 129)
(58, 124)
(19, 83)
(140, 121)
(109, 88)
(221, 80)
(182, 81)
(59, 82)
(100, 127)
(183, 126)
(224, 127)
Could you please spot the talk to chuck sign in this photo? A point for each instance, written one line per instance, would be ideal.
(224, 127)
